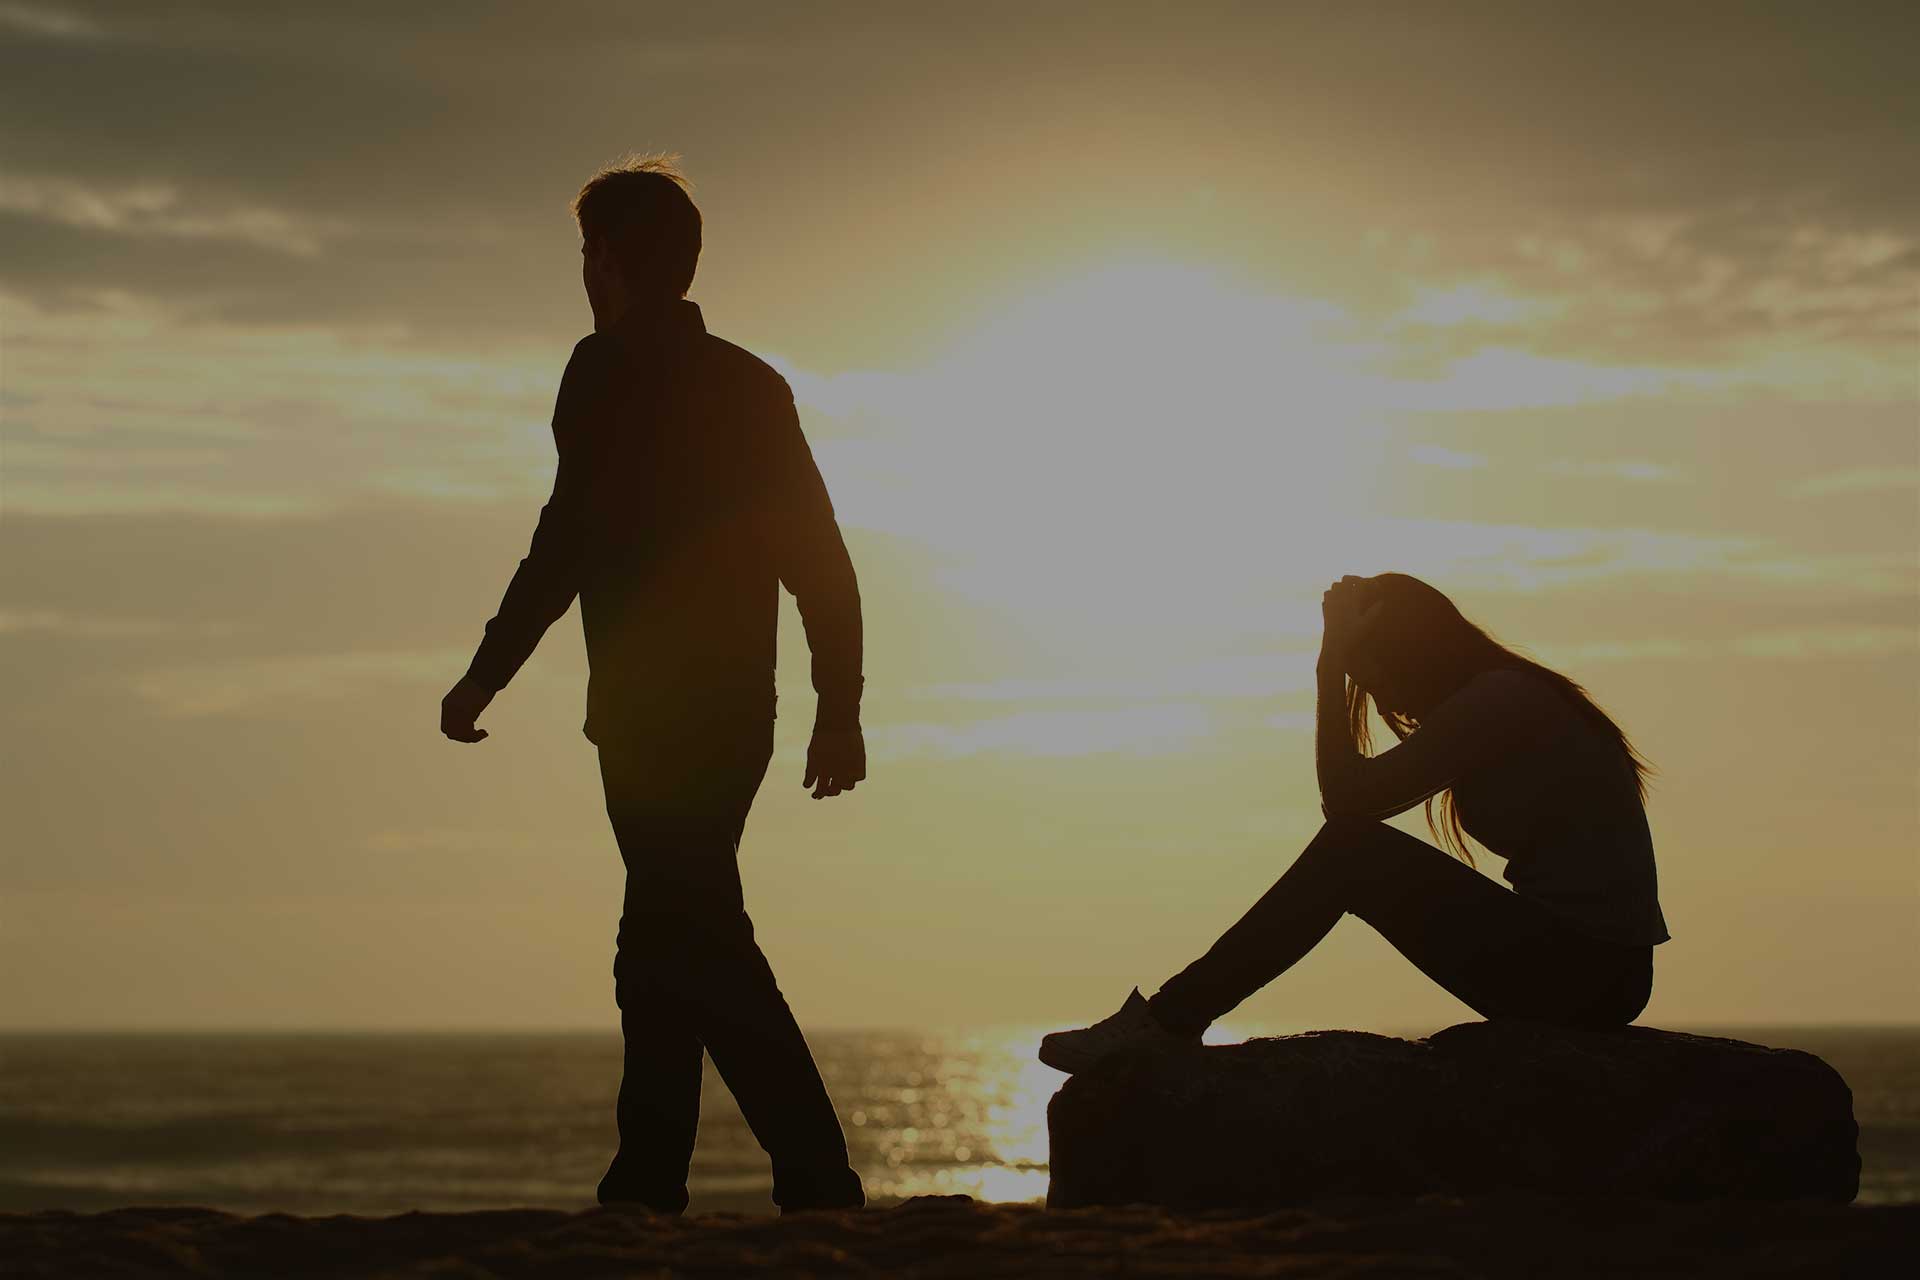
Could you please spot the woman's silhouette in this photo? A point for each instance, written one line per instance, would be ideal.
(1520, 758)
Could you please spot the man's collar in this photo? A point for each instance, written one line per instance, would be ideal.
(654, 320)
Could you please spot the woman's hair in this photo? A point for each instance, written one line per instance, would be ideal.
(1421, 628)
(640, 208)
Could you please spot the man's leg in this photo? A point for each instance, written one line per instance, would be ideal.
(693, 944)
(759, 1050)
(658, 1111)
(1499, 953)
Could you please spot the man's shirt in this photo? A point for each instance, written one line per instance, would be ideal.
(685, 496)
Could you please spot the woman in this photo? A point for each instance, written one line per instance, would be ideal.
(1520, 758)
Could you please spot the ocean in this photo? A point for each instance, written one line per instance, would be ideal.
(383, 1123)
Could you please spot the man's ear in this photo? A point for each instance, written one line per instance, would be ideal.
(600, 254)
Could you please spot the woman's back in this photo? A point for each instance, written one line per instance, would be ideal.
(1562, 807)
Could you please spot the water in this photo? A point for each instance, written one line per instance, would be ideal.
(380, 1124)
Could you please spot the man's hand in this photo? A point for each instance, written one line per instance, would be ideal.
(461, 707)
(836, 761)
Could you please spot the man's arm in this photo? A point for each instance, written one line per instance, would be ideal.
(815, 567)
(544, 585)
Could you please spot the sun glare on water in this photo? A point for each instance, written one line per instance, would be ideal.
(965, 1115)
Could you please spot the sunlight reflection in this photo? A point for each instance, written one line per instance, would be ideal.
(965, 1115)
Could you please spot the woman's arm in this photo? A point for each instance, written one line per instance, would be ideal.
(1336, 761)
(1494, 714)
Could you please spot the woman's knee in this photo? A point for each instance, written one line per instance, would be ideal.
(1375, 863)
(1352, 840)
(1337, 852)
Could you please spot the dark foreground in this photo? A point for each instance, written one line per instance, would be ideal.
(956, 1237)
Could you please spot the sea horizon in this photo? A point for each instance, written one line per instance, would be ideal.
(1239, 1031)
(384, 1121)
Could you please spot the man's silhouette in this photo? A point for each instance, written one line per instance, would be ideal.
(685, 496)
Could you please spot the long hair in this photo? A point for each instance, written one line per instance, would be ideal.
(1431, 632)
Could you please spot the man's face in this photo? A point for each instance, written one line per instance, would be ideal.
(606, 292)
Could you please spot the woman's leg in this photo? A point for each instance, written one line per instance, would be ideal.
(1501, 954)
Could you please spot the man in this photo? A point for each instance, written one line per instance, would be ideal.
(685, 496)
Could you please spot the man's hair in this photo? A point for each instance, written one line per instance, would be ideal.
(639, 207)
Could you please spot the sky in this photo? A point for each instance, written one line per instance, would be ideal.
(1119, 331)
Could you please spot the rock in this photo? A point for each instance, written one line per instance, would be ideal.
(1481, 1107)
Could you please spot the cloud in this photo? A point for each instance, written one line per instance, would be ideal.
(1485, 556)
(1642, 472)
(48, 22)
(82, 626)
(158, 209)
(1536, 151)
(1762, 285)
(1433, 455)
(279, 592)
(1493, 555)
(1148, 729)
(1859, 480)
(1251, 676)
(430, 841)
(1641, 649)
(1474, 302)
(1636, 471)
(1832, 642)
(242, 686)
(1809, 644)
(128, 408)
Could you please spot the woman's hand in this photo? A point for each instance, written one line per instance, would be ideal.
(1347, 613)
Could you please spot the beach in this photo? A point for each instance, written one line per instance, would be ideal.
(957, 1237)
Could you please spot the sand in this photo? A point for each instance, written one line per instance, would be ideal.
(956, 1237)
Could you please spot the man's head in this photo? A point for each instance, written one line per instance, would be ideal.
(639, 235)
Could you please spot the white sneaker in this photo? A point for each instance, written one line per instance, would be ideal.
(1131, 1030)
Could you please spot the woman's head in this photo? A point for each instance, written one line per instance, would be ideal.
(1416, 651)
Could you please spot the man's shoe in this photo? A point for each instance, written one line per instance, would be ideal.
(822, 1206)
(639, 1206)
(831, 1189)
(618, 1192)
(1133, 1029)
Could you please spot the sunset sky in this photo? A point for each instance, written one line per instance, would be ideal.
(1119, 331)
